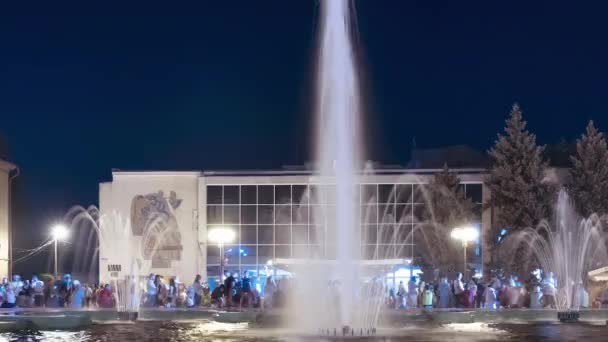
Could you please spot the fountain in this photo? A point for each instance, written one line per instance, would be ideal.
(338, 162)
(338, 290)
(569, 249)
(114, 234)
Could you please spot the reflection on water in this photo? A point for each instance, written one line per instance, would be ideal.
(225, 332)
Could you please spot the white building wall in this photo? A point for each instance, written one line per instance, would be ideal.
(125, 204)
(116, 205)
(202, 226)
(5, 169)
(4, 222)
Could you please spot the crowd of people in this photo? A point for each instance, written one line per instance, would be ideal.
(232, 292)
(65, 293)
(243, 292)
(506, 293)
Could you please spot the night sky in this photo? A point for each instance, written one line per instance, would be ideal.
(229, 84)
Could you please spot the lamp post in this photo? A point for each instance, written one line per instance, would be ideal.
(465, 235)
(221, 236)
(58, 232)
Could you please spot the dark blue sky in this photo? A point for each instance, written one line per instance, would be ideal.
(228, 84)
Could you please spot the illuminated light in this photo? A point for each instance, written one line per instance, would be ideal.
(59, 232)
(465, 234)
(503, 232)
(221, 235)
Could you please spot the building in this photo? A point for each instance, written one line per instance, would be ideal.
(274, 214)
(7, 172)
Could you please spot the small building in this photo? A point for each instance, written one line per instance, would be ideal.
(165, 216)
(7, 173)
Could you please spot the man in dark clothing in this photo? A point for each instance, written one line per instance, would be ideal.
(480, 298)
(228, 286)
(65, 291)
(246, 292)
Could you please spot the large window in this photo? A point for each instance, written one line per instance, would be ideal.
(291, 220)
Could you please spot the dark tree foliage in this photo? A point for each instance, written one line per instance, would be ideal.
(588, 185)
(448, 208)
(520, 197)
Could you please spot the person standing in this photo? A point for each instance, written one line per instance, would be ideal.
(106, 297)
(458, 290)
(228, 288)
(10, 297)
(151, 291)
(65, 291)
(480, 299)
(246, 292)
(444, 293)
(88, 296)
(38, 291)
(391, 301)
(491, 297)
(198, 290)
(172, 293)
(549, 291)
(427, 298)
(421, 293)
(471, 293)
(401, 295)
(190, 296)
(582, 296)
(269, 290)
(412, 293)
(536, 298)
(78, 294)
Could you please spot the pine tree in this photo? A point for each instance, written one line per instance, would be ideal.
(448, 208)
(520, 197)
(588, 184)
(448, 202)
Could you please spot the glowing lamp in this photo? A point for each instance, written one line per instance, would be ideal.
(59, 232)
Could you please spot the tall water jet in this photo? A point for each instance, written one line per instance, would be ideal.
(329, 281)
(338, 153)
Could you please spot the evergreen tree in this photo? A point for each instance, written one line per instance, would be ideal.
(448, 208)
(588, 184)
(448, 203)
(519, 195)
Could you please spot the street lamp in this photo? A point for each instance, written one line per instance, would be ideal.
(221, 236)
(58, 232)
(465, 234)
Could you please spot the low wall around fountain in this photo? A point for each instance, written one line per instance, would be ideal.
(52, 319)
(162, 314)
(401, 318)
(44, 321)
(55, 319)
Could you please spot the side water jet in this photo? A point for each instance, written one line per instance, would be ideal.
(114, 235)
(569, 249)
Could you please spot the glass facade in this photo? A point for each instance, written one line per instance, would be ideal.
(287, 221)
